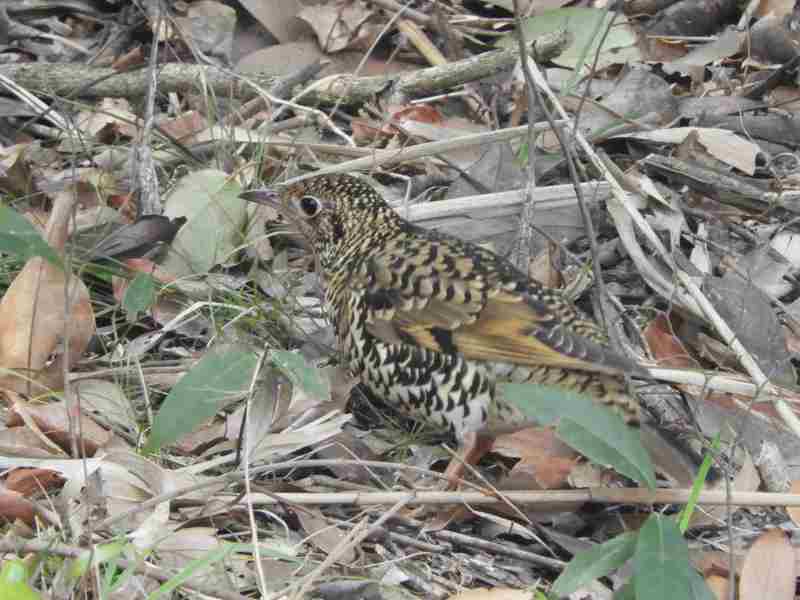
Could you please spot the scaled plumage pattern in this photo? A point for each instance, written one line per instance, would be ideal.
(431, 323)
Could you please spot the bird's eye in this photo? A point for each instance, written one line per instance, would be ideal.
(310, 206)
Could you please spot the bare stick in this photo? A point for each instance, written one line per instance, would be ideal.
(597, 495)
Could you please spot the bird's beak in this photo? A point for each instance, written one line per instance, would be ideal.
(264, 196)
(271, 198)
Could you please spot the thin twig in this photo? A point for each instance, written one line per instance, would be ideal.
(696, 299)
(409, 13)
(638, 496)
(385, 157)
(143, 167)
(357, 535)
(238, 476)
(400, 538)
(262, 580)
(719, 382)
(523, 254)
(743, 356)
(538, 85)
(495, 548)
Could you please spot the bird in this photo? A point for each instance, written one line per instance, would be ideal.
(433, 324)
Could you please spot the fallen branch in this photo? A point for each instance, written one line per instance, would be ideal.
(79, 81)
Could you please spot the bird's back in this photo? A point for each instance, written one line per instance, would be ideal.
(432, 323)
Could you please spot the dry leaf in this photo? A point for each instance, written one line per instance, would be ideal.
(37, 313)
(13, 506)
(545, 461)
(779, 8)
(180, 548)
(21, 441)
(323, 535)
(111, 119)
(719, 586)
(542, 267)
(34, 316)
(277, 17)
(58, 426)
(16, 174)
(108, 400)
(184, 127)
(715, 562)
(339, 27)
(769, 568)
(31, 481)
(667, 348)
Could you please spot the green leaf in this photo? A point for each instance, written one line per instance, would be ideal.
(595, 431)
(596, 562)
(698, 588)
(139, 295)
(697, 484)
(216, 378)
(19, 237)
(216, 218)
(585, 28)
(96, 556)
(14, 581)
(626, 592)
(18, 591)
(14, 571)
(605, 443)
(661, 562)
(301, 374)
(199, 565)
(271, 549)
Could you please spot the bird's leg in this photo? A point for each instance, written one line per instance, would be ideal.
(473, 447)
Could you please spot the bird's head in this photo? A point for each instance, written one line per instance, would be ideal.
(329, 210)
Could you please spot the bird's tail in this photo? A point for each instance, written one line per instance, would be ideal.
(603, 389)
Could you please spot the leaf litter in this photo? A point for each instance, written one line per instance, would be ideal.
(149, 397)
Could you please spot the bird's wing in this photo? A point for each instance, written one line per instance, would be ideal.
(450, 305)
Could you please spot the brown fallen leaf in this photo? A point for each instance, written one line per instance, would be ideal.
(16, 174)
(111, 119)
(324, 535)
(42, 307)
(670, 352)
(667, 349)
(185, 126)
(716, 562)
(21, 441)
(545, 461)
(769, 568)
(543, 267)
(32, 481)
(13, 506)
(719, 586)
(54, 422)
(340, 27)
